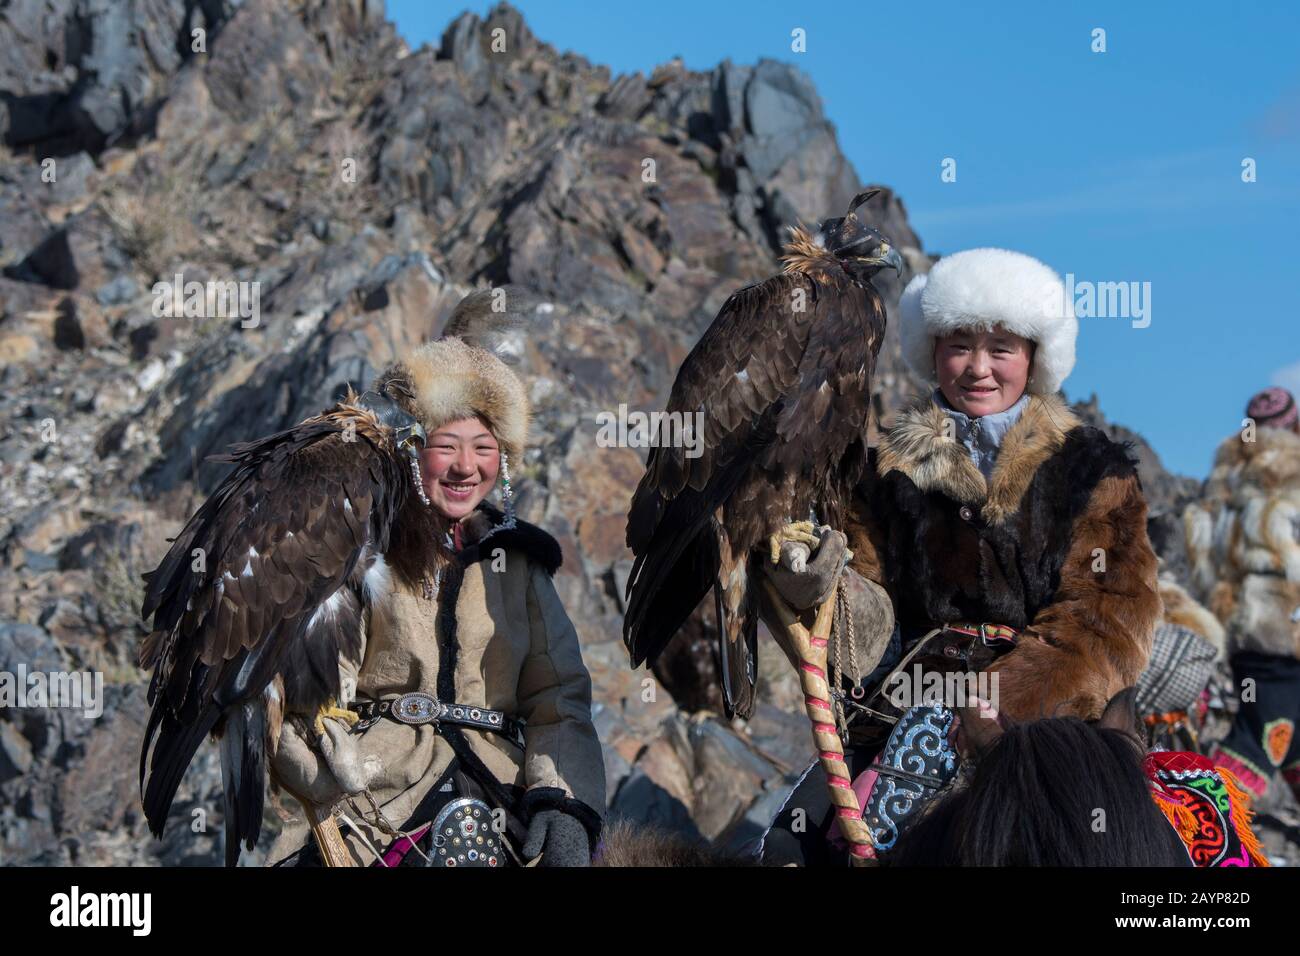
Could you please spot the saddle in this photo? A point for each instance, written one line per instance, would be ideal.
(918, 760)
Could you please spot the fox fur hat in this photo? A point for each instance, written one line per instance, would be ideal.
(980, 288)
(447, 380)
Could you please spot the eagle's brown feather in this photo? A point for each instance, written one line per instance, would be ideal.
(782, 377)
(259, 598)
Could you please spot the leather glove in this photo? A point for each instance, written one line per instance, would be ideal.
(873, 625)
(559, 838)
(814, 584)
(324, 770)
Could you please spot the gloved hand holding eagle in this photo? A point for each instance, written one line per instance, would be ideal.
(783, 380)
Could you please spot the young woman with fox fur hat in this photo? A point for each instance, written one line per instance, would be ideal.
(466, 613)
(988, 502)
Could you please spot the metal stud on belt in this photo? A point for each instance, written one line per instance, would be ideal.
(463, 836)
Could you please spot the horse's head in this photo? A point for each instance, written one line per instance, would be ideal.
(1058, 791)
(981, 725)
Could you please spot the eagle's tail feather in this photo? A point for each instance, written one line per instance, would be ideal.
(670, 585)
(174, 749)
(243, 774)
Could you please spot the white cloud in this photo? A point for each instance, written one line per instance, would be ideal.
(1288, 377)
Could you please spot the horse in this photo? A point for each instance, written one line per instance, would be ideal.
(1060, 791)
(1054, 792)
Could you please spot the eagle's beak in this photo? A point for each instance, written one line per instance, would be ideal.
(408, 434)
(886, 256)
(894, 260)
(410, 438)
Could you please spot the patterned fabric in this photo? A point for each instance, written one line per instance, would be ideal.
(1180, 667)
(1262, 738)
(1273, 408)
(915, 763)
(1277, 739)
(1251, 777)
(1207, 807)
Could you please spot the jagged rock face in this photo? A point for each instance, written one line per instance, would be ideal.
(364, 188)
(78, 74)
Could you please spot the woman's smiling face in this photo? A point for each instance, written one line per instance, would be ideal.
(982, 373)
(459, 466)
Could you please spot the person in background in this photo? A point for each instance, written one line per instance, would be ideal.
(1243, 542)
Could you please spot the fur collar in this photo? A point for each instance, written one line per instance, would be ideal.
(922, 444)
(485, 530)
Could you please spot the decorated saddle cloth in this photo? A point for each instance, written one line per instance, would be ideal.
(1207, 806)
(917, 761)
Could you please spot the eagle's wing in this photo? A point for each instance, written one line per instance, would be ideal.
(737, 378)
(821, 430)
(263, 582)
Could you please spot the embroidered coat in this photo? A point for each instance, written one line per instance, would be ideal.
(1054, 544)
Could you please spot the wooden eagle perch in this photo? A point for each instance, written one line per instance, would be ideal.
(783, 381)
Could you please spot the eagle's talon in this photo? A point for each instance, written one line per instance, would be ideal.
(797, 532)
(331, 708)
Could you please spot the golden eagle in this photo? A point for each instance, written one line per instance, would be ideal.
(782, 379)
(261, 595)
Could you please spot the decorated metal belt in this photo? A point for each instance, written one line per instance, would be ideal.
(419, 708)
(463, 835)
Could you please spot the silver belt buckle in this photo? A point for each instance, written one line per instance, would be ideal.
(416, 708)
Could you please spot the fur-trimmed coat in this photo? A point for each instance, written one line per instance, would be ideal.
(1243, 541)
(1055, 544)
(496, 636)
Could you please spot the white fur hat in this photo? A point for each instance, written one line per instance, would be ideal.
(981, 288)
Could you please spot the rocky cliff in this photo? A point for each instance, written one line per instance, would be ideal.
(364, 188)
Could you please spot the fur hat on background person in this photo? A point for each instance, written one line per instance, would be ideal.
(980, 288)
(1274, 407)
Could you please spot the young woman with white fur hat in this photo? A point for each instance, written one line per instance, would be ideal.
(999, 529)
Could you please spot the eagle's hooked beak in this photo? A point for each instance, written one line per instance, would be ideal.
(408, 434)
(410, 438)
(885, 257)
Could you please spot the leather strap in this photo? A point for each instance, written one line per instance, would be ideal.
(993, 635)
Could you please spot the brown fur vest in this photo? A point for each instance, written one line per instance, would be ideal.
(1055, 544)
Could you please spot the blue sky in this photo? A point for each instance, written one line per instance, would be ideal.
(1117, 166)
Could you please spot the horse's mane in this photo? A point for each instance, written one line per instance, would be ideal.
(1035, 799)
